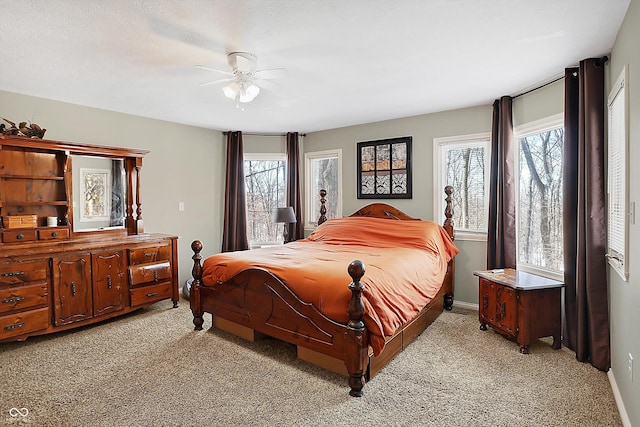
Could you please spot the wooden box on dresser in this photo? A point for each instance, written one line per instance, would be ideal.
(57, 274)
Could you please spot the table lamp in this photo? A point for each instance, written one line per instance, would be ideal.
(286, 216)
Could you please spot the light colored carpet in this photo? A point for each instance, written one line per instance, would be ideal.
(138, 371)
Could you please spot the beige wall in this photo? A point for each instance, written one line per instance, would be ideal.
(186, 164)
(625, 296)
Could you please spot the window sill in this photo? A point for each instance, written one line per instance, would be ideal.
(470, 236)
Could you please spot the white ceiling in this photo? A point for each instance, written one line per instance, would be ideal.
(347, 61)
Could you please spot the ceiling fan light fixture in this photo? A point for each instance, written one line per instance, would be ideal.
(231, 91)
(249, 93)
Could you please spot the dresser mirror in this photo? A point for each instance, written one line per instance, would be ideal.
(99, 190)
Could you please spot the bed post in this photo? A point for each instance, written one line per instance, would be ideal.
(357, 351)
(448, 226)
(194, 296)
(323, 208)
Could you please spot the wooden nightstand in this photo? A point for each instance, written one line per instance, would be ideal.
(521, 306)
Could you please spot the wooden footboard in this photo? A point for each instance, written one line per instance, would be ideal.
(256, 301)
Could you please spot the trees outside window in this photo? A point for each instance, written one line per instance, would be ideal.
(539, 211)
(265, 186)
(323, 171)
(462, 162)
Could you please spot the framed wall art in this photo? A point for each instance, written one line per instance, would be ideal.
(384, 169)
(95, 186)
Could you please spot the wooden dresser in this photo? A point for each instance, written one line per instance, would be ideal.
(520, 306)
(59, 271)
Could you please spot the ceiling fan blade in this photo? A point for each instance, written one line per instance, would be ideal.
(268, 84)
(228, 73)
(217, 81)
(270, 73)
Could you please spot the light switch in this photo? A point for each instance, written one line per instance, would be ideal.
(181, 206)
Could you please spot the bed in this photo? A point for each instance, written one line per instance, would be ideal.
(300, 292)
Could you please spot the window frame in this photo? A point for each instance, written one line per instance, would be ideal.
(618, 213)
(311, 218)
(264, 157)
(439, 204)
(535, 126)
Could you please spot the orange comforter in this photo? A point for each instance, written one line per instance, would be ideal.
(405, 265)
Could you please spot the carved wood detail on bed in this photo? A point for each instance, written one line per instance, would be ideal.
(257, 300)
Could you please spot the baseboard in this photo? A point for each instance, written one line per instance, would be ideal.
(619, 403)
(466, 305)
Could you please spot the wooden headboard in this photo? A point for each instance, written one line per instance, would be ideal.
(382, 210)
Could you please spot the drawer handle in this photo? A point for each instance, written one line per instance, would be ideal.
(150, 254)
(155, 275)
(20, 236)
(54, 234)
(504, 310)
(12, 300)
(73, 289)
(12, 273)
(109, 281)
(485, 302)
(14, 326)
(151, 294)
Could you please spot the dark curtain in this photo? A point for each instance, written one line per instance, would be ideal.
(586, 306)
(294, 198)
(501, 235)
(117, 193)
(234, 235)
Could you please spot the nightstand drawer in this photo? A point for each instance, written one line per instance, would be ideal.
(149, 273)
(13, 325)
(23, 297)
(150, 294)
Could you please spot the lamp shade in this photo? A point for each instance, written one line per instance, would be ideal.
(285, 215)
(231, 91)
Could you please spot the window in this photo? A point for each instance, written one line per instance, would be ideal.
(463, 162)
(539, 201)
(265, 187)
(323, 171)
(617, 182)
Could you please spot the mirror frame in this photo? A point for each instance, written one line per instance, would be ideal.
(133, 223)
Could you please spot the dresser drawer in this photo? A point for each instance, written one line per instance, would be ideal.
(150, 294)
(19, 236)
(22, 297)
(53, 233)
(149, 273)
(22, 272)
(149, 254)
(13, 325)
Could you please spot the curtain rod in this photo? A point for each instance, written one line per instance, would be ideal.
(601, 61)
(265, 134)
(539, 87)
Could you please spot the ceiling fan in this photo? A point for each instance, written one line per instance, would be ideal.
(244, 79)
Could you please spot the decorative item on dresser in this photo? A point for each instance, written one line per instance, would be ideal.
(298, 292)
(520, 306)
(58, 273)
